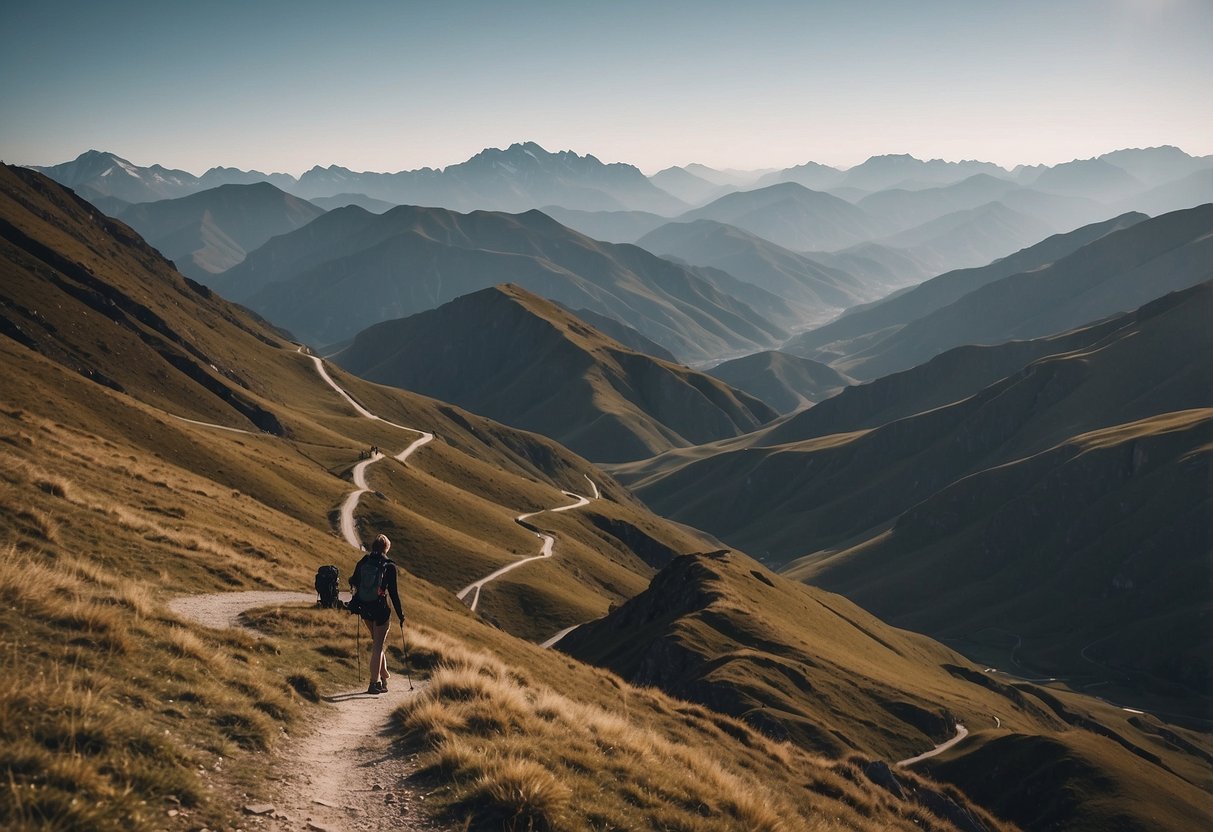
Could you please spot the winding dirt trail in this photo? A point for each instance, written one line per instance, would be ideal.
(341, 773)
(545, 550)
(961, 733)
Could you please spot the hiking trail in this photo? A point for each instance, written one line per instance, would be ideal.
(340, 772)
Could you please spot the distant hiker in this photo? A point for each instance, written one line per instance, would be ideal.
(327, 578)
(373, 582)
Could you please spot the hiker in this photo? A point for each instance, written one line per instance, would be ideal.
(373, 582)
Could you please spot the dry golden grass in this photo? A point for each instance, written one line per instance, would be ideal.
(107, 709)
(507, 752)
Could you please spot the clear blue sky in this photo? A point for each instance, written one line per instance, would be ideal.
(398, 85)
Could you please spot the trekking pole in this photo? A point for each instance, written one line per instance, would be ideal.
(404, 652)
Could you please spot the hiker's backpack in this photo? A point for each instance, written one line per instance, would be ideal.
(327, 578)
(369, 597)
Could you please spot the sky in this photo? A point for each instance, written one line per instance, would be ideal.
(397, 85)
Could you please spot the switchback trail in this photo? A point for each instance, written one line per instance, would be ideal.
(545, 550)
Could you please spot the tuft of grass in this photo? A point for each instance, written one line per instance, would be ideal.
(518, 794)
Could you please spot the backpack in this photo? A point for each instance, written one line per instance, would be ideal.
(369, 596)
(327, 578)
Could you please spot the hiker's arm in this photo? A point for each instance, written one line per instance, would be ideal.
(392, 592)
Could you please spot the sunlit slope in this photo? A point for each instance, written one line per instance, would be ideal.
(1090, 558)
(804, 664)
(350, 269)
(792, 660)
(830, 488)
(515, 357)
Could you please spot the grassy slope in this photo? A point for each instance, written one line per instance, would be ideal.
(497, 352)
(115, 712)
(810, 666)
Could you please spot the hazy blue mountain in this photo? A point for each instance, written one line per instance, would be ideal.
(735, 178)
(877, 320)
(1156, 166)
(968, 238)
(876, 264)
(785, 382)
(1092, 178)
(792, 216)
(812, 175)
(902, 170)
(497, 352)
(217, 176)
(758, 261)
(609, 226)
(691, 189)
(211, 231)
(375, 206)
(1186, 192)
(377, 267)
(1113, 274)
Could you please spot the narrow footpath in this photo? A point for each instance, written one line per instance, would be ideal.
(340, 773)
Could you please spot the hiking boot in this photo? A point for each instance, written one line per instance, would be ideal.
(383, 685)
(374, 688)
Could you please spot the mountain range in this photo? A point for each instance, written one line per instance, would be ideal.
(379, 267)
(863, 325)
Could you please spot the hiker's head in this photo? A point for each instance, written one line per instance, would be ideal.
(381, 545)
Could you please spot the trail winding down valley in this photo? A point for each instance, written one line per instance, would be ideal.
(340, 772)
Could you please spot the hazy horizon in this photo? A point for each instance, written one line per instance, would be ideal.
(385, 87)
